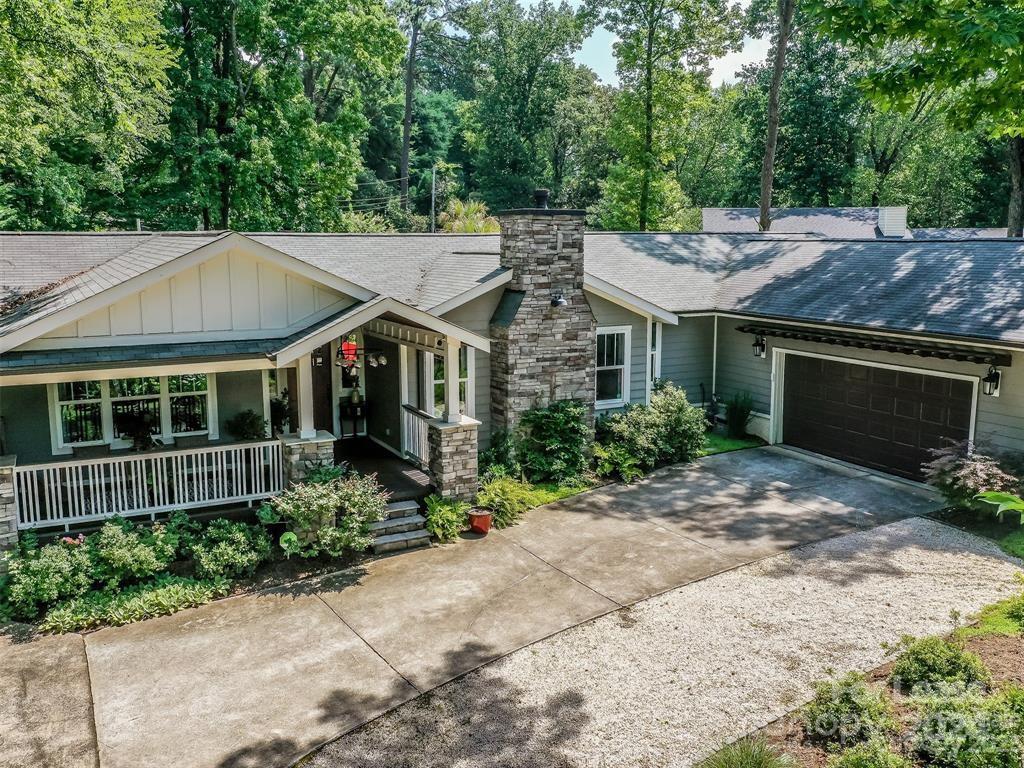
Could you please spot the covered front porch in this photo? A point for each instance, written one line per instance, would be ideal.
(381, 386)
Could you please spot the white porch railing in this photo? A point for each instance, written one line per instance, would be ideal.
(66, 492)
(414, 434)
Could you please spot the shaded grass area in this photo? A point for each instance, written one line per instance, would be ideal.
(718, 443)
(1008, 533)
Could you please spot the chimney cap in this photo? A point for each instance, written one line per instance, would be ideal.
(540, 201)
(540, 198)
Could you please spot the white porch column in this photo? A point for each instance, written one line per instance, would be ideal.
(304, 376)
(451, 380)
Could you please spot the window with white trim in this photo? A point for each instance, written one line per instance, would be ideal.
(654, 358)
(613, 346)
(80, 412)
(433, 366)
(108, 411)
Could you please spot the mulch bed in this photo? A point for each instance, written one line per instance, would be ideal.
(1003, 655)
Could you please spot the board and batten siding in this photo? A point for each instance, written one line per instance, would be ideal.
(999, 420)
(609, 314)
(476, 316)
(233, 293)
(686, 355)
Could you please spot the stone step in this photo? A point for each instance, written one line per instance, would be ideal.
(397, 525)
(398, 509)
(397, 541)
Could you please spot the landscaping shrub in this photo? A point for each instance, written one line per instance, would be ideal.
(40, 577)
(615, 460)
(847, 711)
(122, 552)
(507, 499)
(643, 437)
(500, 458)
(446, 518)
(875, 753)
(230, 550)
(737, 414)
(325, 473)
(748, 753)
(330, 516)
(960, 471)
(553, 443)
(247, 425)
(934, 660)
(960, 727)
(165, 595)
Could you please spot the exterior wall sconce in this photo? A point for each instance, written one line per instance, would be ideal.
(990, 384)
(760, 346)
(558, 301)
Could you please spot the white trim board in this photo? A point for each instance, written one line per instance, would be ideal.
(630, 301)
(778, 384)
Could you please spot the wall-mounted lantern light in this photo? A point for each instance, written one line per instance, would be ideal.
(558, 301)
(760, 346)
(990, 384)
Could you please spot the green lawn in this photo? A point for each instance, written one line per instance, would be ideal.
(718, 443)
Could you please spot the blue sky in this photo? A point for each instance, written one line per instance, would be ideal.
(597, 54)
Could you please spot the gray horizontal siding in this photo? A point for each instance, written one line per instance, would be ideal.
(476, 316)
(999, 420)
(686, 355)
(608, 314)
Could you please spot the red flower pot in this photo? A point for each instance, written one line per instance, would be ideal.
(480, 521)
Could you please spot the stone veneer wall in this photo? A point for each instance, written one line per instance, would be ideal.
(453, 458)
(300, 455)
(542, 353)
(8, 512)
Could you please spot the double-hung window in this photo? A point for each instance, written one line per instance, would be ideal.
(111, 411)
(613, 348)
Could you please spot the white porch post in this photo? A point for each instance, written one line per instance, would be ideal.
(451, 380)
(304, 375)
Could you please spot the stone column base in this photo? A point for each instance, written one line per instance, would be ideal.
(8, 510)
(453, 457)
(302, 454)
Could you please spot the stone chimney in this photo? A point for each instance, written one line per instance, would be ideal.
(543, 333)
(892, 221)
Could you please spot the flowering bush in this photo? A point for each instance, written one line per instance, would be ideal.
(122, 552)
(961, 472)
(40, 577)
(230, 550)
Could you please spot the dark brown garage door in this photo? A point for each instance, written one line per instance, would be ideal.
(876, 417)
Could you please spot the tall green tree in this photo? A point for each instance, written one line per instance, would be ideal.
(83, 87)
(267, 114)
(973, 50)
(662, 56)
(524, 61)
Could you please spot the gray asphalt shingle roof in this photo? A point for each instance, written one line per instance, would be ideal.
(961, 288)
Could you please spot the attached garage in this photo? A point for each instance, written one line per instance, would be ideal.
(882, 417)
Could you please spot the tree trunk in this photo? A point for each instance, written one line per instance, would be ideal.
(1015, 219)
(648, 148)
(410, 84)
(786, 8)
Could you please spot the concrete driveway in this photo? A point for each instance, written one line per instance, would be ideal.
(260, 680)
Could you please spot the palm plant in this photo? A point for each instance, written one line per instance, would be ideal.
(467, 216)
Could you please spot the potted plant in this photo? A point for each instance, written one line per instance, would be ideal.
(247, 425)
(480, 519)
(137, 425)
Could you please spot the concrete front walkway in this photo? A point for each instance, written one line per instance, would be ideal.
(260, 680)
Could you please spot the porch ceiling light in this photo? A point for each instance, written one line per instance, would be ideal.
(990, 384)
(760, 346)
(558, 301)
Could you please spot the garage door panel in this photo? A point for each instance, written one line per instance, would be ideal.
(881, 418)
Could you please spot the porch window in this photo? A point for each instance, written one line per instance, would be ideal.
(133, 400)
(654, 358)
(613, 345)
(107, 411)
(434, 366)
(188, 395)
(80, 410)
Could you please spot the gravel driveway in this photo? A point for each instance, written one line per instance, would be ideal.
(671, 678)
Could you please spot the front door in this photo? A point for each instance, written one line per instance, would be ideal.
(323, 390)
